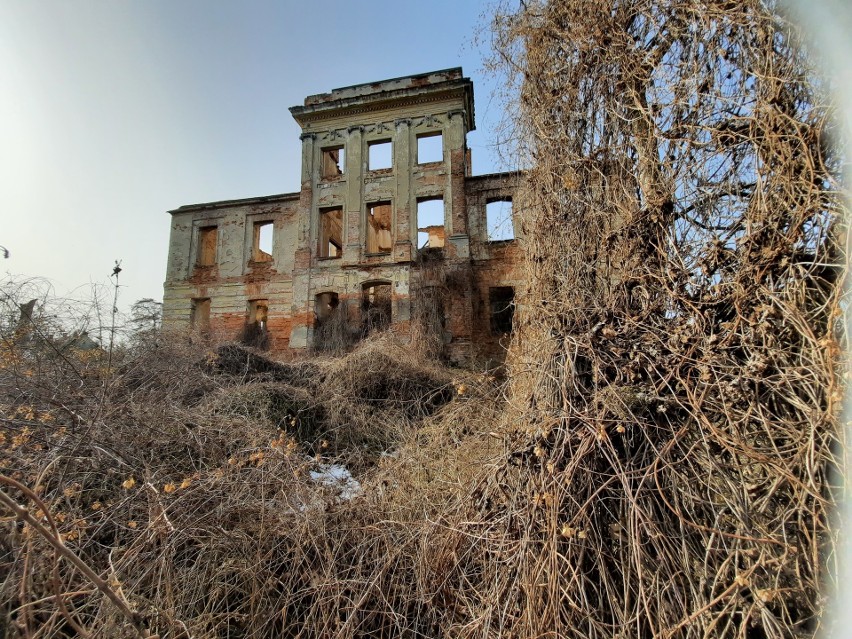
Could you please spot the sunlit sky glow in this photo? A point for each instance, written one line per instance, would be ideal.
(112, 113)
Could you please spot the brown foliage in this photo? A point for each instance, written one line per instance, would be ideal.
(676, 384)
(195, 486)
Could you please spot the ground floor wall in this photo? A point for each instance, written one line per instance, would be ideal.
(223, 311)
(352, 290)
(446, 306)
(497, 286)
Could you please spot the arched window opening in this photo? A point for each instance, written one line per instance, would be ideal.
(326, 305)
(332, 332)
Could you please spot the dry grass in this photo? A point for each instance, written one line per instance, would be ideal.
(184, 480)
(678, 381)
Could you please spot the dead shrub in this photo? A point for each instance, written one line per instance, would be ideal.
(245, 364)
(276, 406)
(676, 381)
(337, 333)
(383, 372)
(220, 516)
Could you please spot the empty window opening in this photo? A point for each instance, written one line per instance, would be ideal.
(326, 305)
(331, 232)
(379, 239)
(199, 315)
(255, 333)
(430, 148)
(206, 246)
(333, 161)
(380, 155)
(376, 303)
(430, 223)
(262, 242)
(498, 215)
(501, 300)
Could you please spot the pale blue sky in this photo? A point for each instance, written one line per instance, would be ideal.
(113, 112)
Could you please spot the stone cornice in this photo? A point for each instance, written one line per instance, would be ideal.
(265, 199)
(348, 108)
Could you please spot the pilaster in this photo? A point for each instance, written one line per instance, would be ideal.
(354, 213)
(403, 203)
(306, 197)
(455, 144)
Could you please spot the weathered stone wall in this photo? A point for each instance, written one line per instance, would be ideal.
(236, 278)
(495, 263)
(353, 118)
(348, 121)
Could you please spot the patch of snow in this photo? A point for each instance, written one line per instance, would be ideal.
(337, 477)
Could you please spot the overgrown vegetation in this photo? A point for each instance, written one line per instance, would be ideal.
(677, 386)
(667, 461)
(209, 488)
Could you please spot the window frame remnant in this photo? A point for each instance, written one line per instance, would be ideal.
(501, 306)
(376, 157)
(376, 306)
(208, 238)
(330, 240)
(427, 149)
(332, 162)
(379, 227)
(434, 237)
(199, 315)
(499, 227)
(257, 253)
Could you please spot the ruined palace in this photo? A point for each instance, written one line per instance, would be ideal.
(389, 231)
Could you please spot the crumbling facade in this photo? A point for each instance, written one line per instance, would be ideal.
(388, 231)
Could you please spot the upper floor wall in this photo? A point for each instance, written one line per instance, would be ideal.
(233, 240)
(371, 154)
(385, 173)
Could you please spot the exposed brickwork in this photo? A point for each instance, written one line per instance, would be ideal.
(298, 271)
